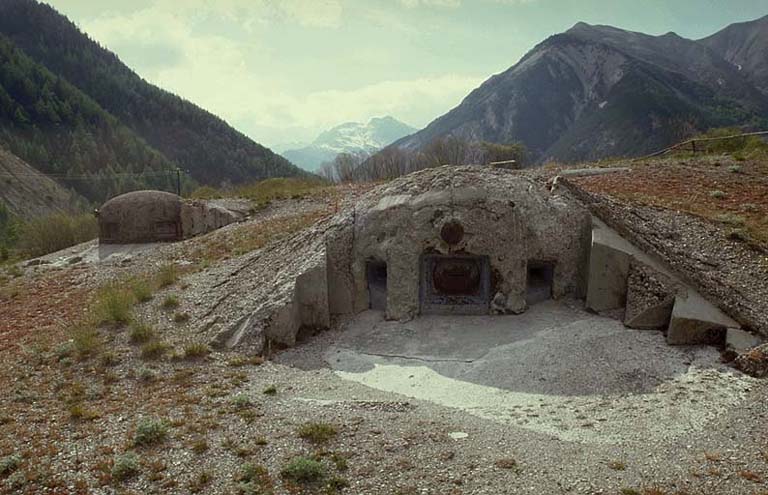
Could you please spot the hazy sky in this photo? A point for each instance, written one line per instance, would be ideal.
(284, 70)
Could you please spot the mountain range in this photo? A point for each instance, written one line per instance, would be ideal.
(70, 107)
(599, 91)
(352, 137)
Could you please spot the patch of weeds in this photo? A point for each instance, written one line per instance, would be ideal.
(141, 333)
(718, 194)
(146, 375)
(317, 432)
(734, 169)
(239, 361)
(712, 456)
(196, 350)
(167, 275)
(271, 390)
(81, 413)
(125, 466)
(108, 359)
(750, 208)
(506, 463)
(617, 465)
(339, 461)
(141, 289)
(9, 464)
(155, 349)
(253, 479)
(181, 317)
(150, 431)
(731, 219)
(113, 305)
(260, 441)
(202, 480)
(16, 481)
(200, 446)
(170, 302)
(303, 470)
(750, 476)
(86, 340)
(336, 484)
(241, 401)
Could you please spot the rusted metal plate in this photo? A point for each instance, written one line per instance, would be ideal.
(457, 277)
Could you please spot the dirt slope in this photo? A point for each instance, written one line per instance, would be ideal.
(27, 193)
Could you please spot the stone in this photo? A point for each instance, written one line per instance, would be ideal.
(754, 362)
(695, 320)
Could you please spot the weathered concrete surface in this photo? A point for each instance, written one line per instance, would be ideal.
(696, 321)
(506, 216)
(609, 261)
(555, 369)
(737, 340)
(158, 216)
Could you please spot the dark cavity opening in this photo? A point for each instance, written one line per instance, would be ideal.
(377, 284)
(541, 275)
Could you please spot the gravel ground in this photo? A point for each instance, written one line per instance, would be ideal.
(69, 418)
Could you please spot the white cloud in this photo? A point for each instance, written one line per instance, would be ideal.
(234, 78)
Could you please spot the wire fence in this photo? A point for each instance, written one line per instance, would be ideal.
(693, 144)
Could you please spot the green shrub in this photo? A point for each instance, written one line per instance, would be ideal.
(718, 194)
(141, 289)
(317, 432)
(303, 470)
(271, 390)
(167, 275)
(55, 232)
(150, 431)
(114, 304)
(125, 466)
(241, 401)
(154, 349)
(170, 302)
(141, 333)
(9, 464)
(181, 317)
(86, 340)
(196, 350)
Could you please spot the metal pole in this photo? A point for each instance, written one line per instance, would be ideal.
(178, 181)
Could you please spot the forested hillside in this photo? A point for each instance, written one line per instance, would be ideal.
(58, 130)
(70, 106)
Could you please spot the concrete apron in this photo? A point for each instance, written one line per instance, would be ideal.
(555, 369)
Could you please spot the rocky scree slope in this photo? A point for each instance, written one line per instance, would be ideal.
(598, 91)
(29, 194)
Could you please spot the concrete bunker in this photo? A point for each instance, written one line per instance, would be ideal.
(458, 241)
(158, 216)
(473, 241)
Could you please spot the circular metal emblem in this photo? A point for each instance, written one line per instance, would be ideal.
(452, 232)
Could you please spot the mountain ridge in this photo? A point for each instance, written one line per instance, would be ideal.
(349, 137)
(598, 91)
